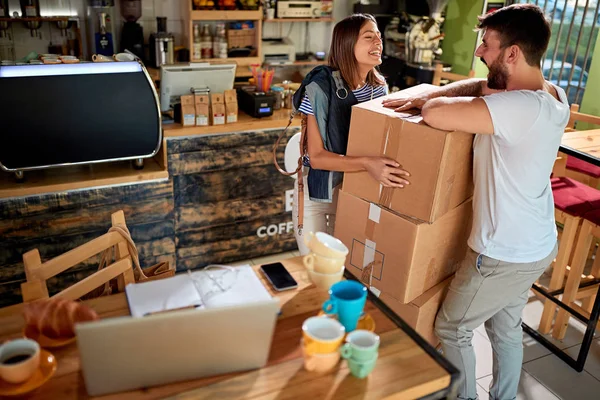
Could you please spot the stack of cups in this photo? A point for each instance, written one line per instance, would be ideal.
(360, 351)
(321, 341)
(325, 263)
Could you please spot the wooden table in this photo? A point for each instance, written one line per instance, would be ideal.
(405, 369)
(584, 145)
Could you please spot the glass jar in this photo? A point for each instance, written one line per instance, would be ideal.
(278, 93)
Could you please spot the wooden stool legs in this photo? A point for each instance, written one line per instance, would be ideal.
(587, 234)
(567, 240)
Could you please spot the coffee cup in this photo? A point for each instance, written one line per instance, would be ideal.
(361, 369)
(319, 362)
(360, 345)
(347, 300)
(322, 264)
(19, 359)
(101, 58)
(322, 335)
(325, 245)
(325, 281)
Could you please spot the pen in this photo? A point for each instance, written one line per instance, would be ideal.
(173, 309)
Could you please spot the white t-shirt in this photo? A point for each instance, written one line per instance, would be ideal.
(513, 218)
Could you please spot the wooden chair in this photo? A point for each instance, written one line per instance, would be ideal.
(588, 234)
(38, 273)
(440, 74)
(580, 170)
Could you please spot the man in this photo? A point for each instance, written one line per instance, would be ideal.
(519, 119)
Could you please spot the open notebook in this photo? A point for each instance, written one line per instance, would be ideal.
(211, 288)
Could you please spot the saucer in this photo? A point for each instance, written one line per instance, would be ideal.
(46, 342)
(365, 322)
(44, 372)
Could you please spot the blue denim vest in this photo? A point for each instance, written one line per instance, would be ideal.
(331, 100)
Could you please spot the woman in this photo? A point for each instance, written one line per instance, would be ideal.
(325, 99)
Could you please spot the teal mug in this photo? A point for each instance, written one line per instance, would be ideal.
(347, 300)
(362, 369)
(360, 346)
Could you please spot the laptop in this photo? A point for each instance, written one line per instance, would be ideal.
(126, 353)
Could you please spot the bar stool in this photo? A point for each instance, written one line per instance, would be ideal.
(589, 231)
(578, 169)
(572, 199)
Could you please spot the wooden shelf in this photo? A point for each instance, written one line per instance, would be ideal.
(237, 60)
(41, 19)
(327, 19)
(224, 15)
(298, 64)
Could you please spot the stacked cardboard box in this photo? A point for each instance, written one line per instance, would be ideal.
(406, 243)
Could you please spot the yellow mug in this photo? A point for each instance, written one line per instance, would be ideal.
(325, 245)
(325, 281)
(319, 362)
(322, 335)
(322, 264)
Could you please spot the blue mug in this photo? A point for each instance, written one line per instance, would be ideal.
(347, 300)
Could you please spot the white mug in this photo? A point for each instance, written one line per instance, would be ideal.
(19, 359)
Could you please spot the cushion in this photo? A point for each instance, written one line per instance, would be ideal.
(593, 216)
(575, 164)
(574, 197)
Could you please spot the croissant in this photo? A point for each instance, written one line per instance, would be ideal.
(56, 317)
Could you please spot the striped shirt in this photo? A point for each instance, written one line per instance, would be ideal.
(362, 94)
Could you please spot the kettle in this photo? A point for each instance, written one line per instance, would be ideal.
(162, 49)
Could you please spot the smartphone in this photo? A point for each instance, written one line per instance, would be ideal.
(279, 277)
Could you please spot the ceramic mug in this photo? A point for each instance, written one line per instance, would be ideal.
(319, 362)
(322, 335)
(322, 264)
(19, 359)
(325, 245)
(361, 346)
(101, 58)
(346, 299)
(361, 369)
(325, 281)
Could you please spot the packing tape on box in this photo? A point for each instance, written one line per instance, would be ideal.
(389, 148)
(368, 263)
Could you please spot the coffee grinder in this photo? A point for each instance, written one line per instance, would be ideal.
(132, 34)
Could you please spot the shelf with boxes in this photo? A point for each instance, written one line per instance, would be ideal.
(203, 109)
(238, 34)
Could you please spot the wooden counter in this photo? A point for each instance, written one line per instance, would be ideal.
(278, 120)
(207, 197)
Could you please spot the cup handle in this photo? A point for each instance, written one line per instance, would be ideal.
(309, 262)
(346, 351)
(330, 307)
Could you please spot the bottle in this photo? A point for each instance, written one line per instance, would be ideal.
(220, 42)
(206, 42)
(197, 51)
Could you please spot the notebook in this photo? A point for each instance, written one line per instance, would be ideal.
(208, 288)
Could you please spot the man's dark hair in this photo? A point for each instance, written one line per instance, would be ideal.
(523, 25)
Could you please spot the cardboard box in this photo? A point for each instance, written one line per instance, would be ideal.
(421, 312)
(440, 163)
(187, 100)
(231, 106)
(398, 255)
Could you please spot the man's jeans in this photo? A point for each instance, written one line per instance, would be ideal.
(493, 292)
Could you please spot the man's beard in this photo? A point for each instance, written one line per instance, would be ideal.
(498, 74)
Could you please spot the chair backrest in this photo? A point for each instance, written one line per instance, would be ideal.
(38, 273)
(440, 74)
(578, 116)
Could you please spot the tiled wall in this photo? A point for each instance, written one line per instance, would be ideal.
(23, 43)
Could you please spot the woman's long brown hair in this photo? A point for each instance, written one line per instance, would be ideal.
(341, 52)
